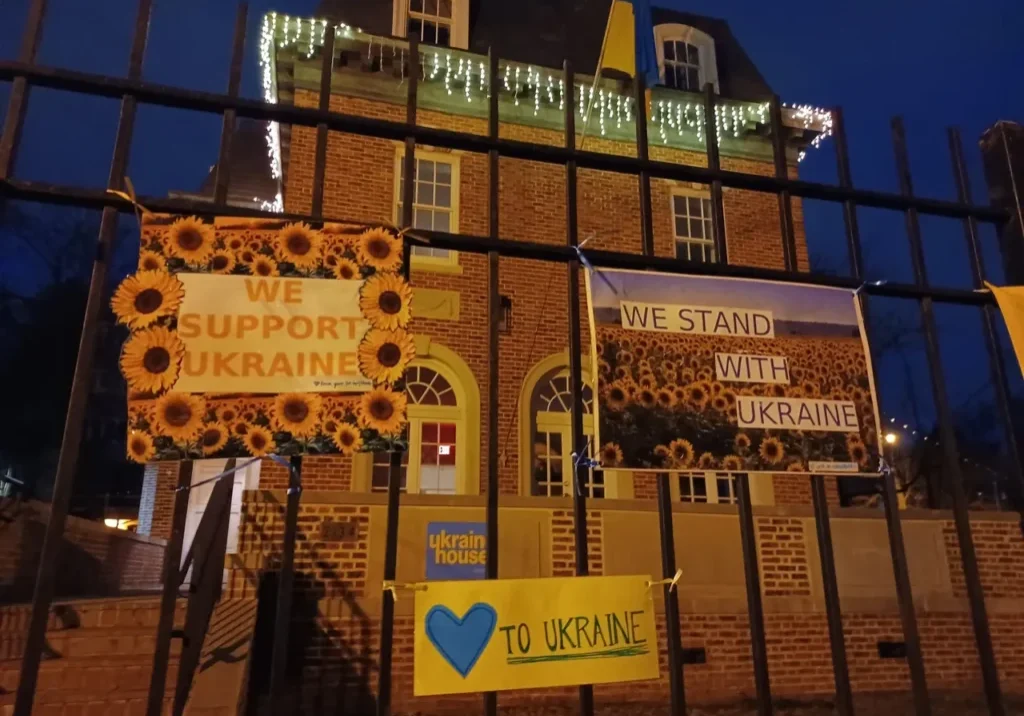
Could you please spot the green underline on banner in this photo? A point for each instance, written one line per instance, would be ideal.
(606, 654)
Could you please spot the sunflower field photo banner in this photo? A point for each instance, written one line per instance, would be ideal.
(738, 375)
(253, 336)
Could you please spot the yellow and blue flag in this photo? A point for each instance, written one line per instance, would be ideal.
(629, 41)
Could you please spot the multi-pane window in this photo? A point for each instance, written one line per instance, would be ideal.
(707, 487)
(682, 65)
(691, 225)
(551, 406)
(382, 472)
(437, 458)
(433, 206)
(432, 21)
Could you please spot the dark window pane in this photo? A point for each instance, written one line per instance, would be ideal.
(693, 205)
(424, 193)
(425, 170)
(598, 491)
(415, 27)
(700, 489)
(723, 489)
(444, 172)
(692, 56)
(682, 250)
(443, 39)
(684, 486)
(415, 5)
(679, 204)
(443, 196)
(671, 77)
(670, 50)
(696, 229)
(681, 227)
(430, 7)
(693, 79)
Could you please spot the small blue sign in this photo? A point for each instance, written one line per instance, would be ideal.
(456, 550)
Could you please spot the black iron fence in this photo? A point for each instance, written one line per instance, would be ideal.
(24, 74)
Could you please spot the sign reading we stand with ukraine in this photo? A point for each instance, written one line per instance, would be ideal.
(501, 634)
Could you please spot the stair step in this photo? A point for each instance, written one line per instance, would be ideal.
(81, 643)
(96, 677)
(122, 702)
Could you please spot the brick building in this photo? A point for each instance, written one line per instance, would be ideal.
(338, 580)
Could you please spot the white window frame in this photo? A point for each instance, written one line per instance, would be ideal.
(561, 423)
(707, 243)
(711, 491)
(424, 260)
(701, 40)
(459, 34)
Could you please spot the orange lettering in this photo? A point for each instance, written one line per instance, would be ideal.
(247, 323)
(211, 326)
(321, 363)
(292, 291)
(327, 325)
(351, 323)
(261, 287)
(221, 364)
(347, 364)
(272, 324)
(188, 325)
(306, 324)
(252, 364)
(189, 368)
(279, 365)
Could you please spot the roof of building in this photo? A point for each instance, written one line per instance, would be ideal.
(544, 32)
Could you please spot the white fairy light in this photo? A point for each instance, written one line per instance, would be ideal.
(468, 80)
(436, 65)
(448, 73)
(508, 69)
(517, 86)
(483, 77)
(561, 95)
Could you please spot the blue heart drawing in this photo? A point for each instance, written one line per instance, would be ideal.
(461, 641)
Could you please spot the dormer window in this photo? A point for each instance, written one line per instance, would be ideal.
(686, 57)
(443, 23)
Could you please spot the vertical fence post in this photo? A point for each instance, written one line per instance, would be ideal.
(988, 315)
(285, 584)
(677, 691)
(714, 164)
(844, 696)
(846, 182)
(580, 469)
(169, 594)
(954, 478)
(324, 105)
(387, 615)
(71, 440)
(755, 608)
(222, 170)
(782, 172)
(493, 317)
(17, 104)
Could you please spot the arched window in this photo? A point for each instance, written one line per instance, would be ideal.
(436, 425)
(551, 436)
(686, 57)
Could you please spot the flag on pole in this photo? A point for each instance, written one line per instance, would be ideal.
(1011, 305)
(629, 41)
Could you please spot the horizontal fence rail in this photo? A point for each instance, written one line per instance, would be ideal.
(25, 74)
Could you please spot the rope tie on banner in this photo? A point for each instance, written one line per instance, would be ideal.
(580, 459)
(672, 582)
(860, 288)
(590, 267)
(392, 586)
(130, 197)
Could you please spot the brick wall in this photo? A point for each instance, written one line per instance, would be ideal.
(1000, 551)
(94, 561)
(563, 544)
(783, 556)
(156, 503)
(796, 489)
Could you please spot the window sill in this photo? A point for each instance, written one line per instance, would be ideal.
(435, 267)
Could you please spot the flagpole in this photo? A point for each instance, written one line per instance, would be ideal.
(597, 75)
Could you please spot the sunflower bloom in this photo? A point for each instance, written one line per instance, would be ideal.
(382, 410)
(191, 240)
(732, 463)
(681, 451)
(646, 397)
(263, 266)
(741, 441)
(151, 261)
(145, 297)
(772, 451)
(348, 439)
(258, 441)
(347, 270)
(384, 355)
(227, 413)
(222, 262)
(616, 397)
(611, 455)
(179, 415)
(795, 466)
(858, 453)
(297, 413)
(662, 451)
(384, 300)
(150, 359)
(140, 446)
(380, 249)
(706, 461)
(213, 437)
(299, 245)
(696, 395)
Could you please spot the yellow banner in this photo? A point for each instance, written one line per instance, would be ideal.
(270, 335)
(504, 634)
(1011, 304)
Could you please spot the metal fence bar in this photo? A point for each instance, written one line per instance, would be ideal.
(840, 671)
(169, 595)
(17, 104)
(947, 432)
(755, 608)
(580, 467)
(387, 615)
(846, 183)
(997, 366)
(643, 154)
(782, 172)
(222, 170)
(285, 587)
(71, 439)
(714, 167)
(493, 346)
(324, 104)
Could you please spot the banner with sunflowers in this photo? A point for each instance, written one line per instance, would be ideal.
(700, 373)
(251, 336)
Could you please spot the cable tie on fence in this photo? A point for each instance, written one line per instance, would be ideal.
(130, 197)
(590, 267)
(392, 586)
(671, 582)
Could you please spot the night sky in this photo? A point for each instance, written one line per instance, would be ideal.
(938, 63)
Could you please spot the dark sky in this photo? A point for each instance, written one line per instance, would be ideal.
(935, 62)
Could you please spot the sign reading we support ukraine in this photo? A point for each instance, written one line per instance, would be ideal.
(705, 373)
(501, 634)
(456, 550)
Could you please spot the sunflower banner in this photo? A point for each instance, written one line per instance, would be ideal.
(251, 336)
(737, 375)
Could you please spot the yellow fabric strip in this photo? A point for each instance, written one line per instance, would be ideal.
(620, 47)
(1011, 304)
